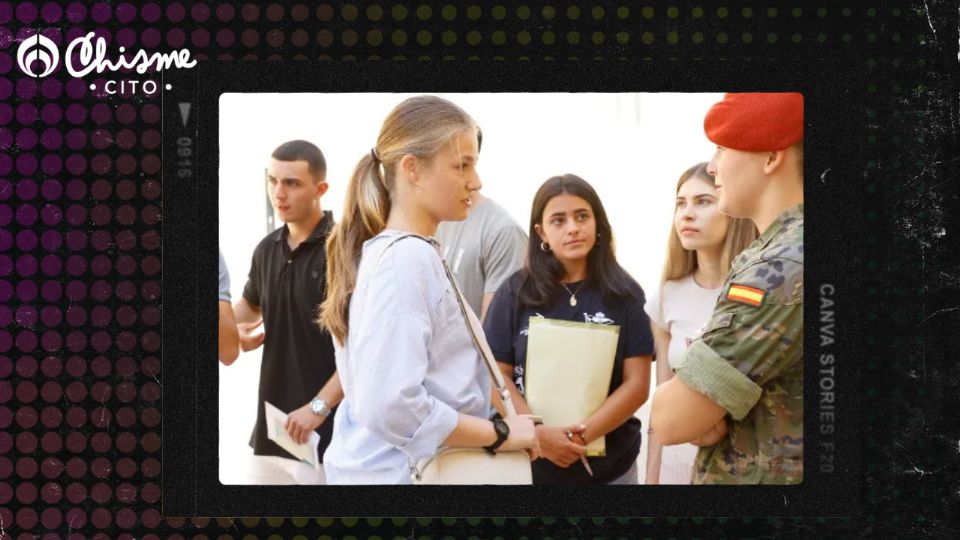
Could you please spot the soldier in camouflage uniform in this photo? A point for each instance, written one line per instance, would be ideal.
(738, 392)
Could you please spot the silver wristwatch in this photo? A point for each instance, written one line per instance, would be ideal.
(319, 407)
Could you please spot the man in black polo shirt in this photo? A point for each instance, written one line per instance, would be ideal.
(284, 289)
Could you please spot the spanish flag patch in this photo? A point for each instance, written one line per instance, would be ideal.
(745, 295)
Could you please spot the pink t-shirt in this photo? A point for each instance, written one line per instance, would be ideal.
(685, 309)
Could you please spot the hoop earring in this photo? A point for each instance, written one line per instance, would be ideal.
(544, 247)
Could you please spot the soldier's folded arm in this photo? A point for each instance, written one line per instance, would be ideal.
(722, 372)
(680, 414)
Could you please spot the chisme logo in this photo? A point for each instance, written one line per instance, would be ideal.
(38, 49)
(87, 54)
(38, 56)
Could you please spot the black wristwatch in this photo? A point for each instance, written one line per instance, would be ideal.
(503, 431)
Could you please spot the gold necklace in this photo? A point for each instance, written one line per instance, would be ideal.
(573, 295)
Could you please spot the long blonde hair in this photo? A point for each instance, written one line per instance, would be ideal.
(419, 126)
(682, 262)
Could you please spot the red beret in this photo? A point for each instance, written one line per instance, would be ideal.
(754, 122)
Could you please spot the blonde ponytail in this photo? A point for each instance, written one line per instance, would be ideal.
(365, 212)
(418, 126)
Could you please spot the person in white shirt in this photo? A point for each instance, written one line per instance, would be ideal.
(412, 378)
(700, 249)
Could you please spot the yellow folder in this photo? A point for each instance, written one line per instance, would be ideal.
(569, 365)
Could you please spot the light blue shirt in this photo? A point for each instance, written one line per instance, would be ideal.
(408, 366)
(224, 279)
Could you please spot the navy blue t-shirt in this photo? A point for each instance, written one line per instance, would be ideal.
(507, 326)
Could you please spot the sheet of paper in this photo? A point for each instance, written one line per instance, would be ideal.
(569, 365)
(276, 420)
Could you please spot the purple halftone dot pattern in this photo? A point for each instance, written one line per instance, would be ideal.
(79, 280)
(26, 139)
(51, 88)
(250, 12)
(225, 37)
(126, 139)
(74, 33)
(51, 12)
(76, 114)
(126, 38)
(26, 12)
(26, 164)
(51, 113)
(200, 12)
(26, 88)
(76, 12)
(150, 38)
(26, 114)
(225, 12)
(6, 113)
(150, 12)
(176, 12)
(101, 12)
(126, 12)
(176, 38)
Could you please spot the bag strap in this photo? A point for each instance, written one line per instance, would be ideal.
(473, 326)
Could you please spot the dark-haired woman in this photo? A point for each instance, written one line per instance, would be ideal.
(572, 274)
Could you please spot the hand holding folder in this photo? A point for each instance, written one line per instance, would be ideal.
(276, 420)
(569, 366)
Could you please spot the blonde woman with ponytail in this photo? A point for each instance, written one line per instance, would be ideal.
(412, 378)
(700, 250)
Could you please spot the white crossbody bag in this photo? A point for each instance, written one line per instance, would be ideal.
(457, 465)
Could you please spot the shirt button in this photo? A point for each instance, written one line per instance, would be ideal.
(289, 261)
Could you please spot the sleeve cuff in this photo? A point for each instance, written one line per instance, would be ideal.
(707, 372)
(432, 432)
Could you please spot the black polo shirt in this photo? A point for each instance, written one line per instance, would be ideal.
(298, 357)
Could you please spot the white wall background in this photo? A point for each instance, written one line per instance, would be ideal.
(630, 147)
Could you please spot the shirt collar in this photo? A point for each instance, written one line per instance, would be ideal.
(783, 221)
(319, 233)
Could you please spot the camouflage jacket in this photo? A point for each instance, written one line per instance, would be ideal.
(749, 360)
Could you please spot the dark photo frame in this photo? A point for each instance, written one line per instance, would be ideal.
(91, 221)
(191, 486)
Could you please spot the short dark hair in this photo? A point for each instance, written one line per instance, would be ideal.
(303, 151)
(542, 272)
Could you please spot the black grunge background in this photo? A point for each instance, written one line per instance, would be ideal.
(81, 257)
